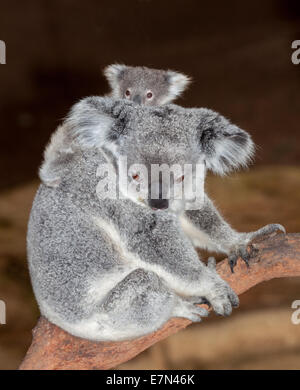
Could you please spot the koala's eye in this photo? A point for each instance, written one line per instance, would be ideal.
(149, 95)
(135, 176)
(127, 93)
(180, 179)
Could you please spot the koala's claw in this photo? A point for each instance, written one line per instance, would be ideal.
(233, 257)
(268, 229)
(189, 309)
(241, 251)
(198, 301)
(199, 311)
(224, 298)
(222, 305)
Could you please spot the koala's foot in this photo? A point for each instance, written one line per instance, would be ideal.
(221, 297)
(137, 305)
(245, 251)
(188, 308)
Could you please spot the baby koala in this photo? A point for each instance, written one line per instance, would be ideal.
(144, 85)
(137, 83)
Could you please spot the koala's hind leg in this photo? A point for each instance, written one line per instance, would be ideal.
(140, 304)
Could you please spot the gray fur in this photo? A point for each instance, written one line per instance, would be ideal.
(114, 269)
(165, 85)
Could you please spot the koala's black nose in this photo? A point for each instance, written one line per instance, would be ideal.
(137, 99)
(160, 204)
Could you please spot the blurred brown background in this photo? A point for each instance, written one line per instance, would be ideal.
(239, 55)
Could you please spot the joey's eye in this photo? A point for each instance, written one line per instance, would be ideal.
(180, 179)
(135, 176)
(149, 95)
(127, 93)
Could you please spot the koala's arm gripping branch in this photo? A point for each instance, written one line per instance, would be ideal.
(52, 348)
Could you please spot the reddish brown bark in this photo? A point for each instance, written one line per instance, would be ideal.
(53, 349)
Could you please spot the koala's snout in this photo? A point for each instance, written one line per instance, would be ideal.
(156, 199)
(137, 99)
(159, 204)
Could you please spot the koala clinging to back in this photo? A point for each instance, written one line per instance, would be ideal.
(137, 83)
(144, 85)
(118, 267)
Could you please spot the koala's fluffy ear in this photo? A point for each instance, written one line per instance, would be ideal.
(98, 122)
(113, 74)
(225, 147)
(92, 122)
(177, 84)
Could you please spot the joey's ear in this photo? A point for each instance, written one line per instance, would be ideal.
(225, 147)
(97, 122)
(177, 84)
(113, 74)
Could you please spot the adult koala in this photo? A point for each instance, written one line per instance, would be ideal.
(117, 268)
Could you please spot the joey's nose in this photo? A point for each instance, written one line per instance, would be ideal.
(137, 99)
(160, 204)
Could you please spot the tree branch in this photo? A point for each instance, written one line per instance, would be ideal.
(52, 348)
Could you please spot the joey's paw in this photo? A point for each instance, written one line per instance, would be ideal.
(244, 250)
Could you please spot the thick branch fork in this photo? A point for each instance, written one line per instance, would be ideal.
(52, 348)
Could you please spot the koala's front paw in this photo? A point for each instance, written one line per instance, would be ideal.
(240, 249)
(220, 296)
